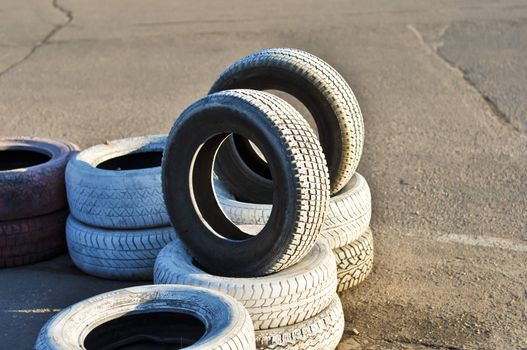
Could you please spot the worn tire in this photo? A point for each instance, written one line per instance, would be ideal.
(116, 254)
(227, 324)
(348, 216)
(30, 240)
(321, 89)
(321, 332)
(295, 158)
(33, 190)
(354, 261)
(125, 199)
(287, 297)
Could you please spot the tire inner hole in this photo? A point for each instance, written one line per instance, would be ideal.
(152, 330)
(133, 161)
(17, 159)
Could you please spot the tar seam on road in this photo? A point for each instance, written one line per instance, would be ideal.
(69, 18)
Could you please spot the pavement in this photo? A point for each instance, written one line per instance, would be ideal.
(442, 86)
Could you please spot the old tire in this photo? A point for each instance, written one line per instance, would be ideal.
(321, 332)
(287, 297)
(296, 160)
(321, 89)
(150, 314)
(32, 176)
(116, 254)
(348, 215)
(27, 241)
(354, 261)
(130, 198)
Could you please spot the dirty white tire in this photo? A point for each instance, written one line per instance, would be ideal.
(349, 212)
(116, 254)
(354, 261)
(113, 319)
(283, 298)
(118, 198)
(321, 332)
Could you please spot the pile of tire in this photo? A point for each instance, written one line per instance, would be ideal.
(118, 222)
(33, 206)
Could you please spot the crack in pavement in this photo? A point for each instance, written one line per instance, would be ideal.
(404, 340)
(45, 40)
(493, 107)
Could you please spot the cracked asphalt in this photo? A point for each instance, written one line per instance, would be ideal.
(442, 86)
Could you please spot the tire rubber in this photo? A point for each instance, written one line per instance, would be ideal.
(296, 161)
(227, 324)
(354, 261)
(287, 297)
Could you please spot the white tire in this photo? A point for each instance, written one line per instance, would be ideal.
(116, 254)
(320, 332)
(348, 216)
(283, 298)
(120, 199)
(354, 261)
(201, 318)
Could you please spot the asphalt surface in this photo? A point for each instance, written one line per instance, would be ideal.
(442, 87)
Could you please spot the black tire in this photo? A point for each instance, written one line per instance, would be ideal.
(325, 94)
(296, 160)
(32, 176)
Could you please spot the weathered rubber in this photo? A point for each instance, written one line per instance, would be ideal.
(354, 261)
(228, 325)
(301, 180)
(35, 190)
(321, 89)
(116, 254)
(125, 199)
(321, 332)
(30, 240)
(284, 298)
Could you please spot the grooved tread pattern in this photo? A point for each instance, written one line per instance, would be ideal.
(330, 83)
(280, 299)
(320, 332)
(354, 261)
(116, 254)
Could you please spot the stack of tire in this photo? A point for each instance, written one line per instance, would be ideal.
(33, 206)
(118, 222)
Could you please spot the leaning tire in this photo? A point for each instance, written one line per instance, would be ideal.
(321, 89)
(183, 315)
(27, 241)
(296, 162)
(125, 199)
(348, 216)
(354, 261)
(284, 298)
(116, 254)
(32, 184)
(321, 332)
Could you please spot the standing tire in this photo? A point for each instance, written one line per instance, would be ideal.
(116, 254)
(325, 94)
(296, 161)
(178, 315)
(284, 298)
(348, 216)
(118, 184)
(354, 261)
(321, 332)
(32, 176)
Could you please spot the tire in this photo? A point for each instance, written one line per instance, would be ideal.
(348, 216)
(31, 240)
(121, 199)
(321, 332)
(32, 184)
(296, 161)
(150, 314)
(116, 254)
(321, 89)
(287, 297)
(354, 261)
